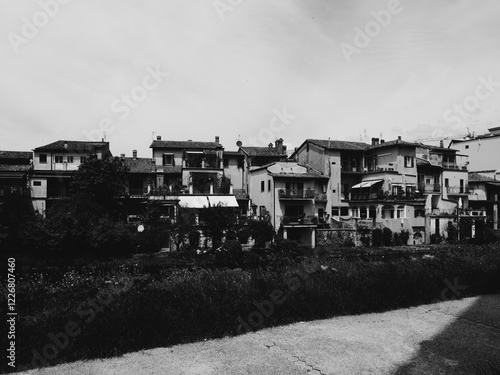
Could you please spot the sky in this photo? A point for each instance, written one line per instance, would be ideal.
(248, 70)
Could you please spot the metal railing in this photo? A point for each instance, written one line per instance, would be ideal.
(300, 194)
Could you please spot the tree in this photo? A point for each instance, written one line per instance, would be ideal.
(100, 180)
(216, 221)
(261, 231)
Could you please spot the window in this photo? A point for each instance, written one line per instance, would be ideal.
(83, 159)
(168, 159)
(262, 186)
(70, 159)
(37, 183)
(226, 162)
(344, 211)
(268, 185)
(409, 161)
(466, 146)
(43, 158)
(446, 182)
(335, 211)
(58, 158)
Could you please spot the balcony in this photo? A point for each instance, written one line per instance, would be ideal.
(301, 194)
(384, 196)
(457, 190)
(138, 192)
(429, 188)
(292, 220)
(13, 190)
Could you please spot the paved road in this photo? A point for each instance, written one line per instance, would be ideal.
(454, 337)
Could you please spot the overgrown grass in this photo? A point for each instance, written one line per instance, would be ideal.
(152, 304)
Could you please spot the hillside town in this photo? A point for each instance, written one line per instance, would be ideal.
(323, 185)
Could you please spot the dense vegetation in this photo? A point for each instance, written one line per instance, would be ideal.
(85, 310)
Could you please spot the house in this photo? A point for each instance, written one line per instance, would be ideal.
(397, 184)
(291, 196)
(54, 165)
(484, 197)
(255, 157)
(483, 150)
(15, 167)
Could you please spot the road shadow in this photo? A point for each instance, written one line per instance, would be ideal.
(469, 345)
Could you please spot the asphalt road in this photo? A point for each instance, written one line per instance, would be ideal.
(453, 337)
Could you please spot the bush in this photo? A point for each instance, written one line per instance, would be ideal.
(194, 239)
(243, 235)
(377, 237)
(452, 233)
(436, 238)
(405, 236)
(261, 231)
(387, 236)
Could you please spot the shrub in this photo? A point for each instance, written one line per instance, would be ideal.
(397, 241)
(261, 231)
(436, 238)
(377, 237)
(452, 233)
(405, 236)
(387, 236)
(194, 239)
(243, 235)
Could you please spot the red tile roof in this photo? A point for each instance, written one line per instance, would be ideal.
(185, 145)
(75, 146)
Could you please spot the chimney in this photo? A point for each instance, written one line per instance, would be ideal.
(158, 137)
(382, 141)
(190, 140)
(279, 145)
(216, 139)
(374, 141)
(399, 137)
(270, 145)
(134, 154)
(122, 156)
(284, 149)
(65, 145)
(441, 143)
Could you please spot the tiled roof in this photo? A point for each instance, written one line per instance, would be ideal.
(232, 153)
(140, 165)
(75, 146)
(299, 175)
(185, 144)
(26, 155)
(262, 151)
(171, 168)
(15, 167)
(476, 177)
(240, 194)
(339, 145)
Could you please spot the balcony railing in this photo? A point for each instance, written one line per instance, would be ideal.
(138, 191)
(384, 195)
(301, 194)
(457, 189)
(301, 219)
(453, 166)
(13, 190)
(429, 188)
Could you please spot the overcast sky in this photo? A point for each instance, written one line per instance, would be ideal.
(255, 70)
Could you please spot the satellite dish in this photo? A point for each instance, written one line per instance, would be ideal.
(140, 228)
(239, 143)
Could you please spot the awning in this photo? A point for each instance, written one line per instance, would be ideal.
(225, 201)
(193, 201)
(366, 184)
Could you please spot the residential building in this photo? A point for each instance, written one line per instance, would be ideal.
(483, 150)
(291, 196)
(400, 185)
(54, 165)
(484, 198)
(15, 167)
(255, 157)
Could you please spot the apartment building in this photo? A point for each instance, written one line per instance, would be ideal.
(397, 184)
(291, 196)
(484, 197)
(15, 167)
(53, 166)
(483, 151)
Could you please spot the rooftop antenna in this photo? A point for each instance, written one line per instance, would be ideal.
(153, 136)
(328, 142)
(104, 139)
(365, 136)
